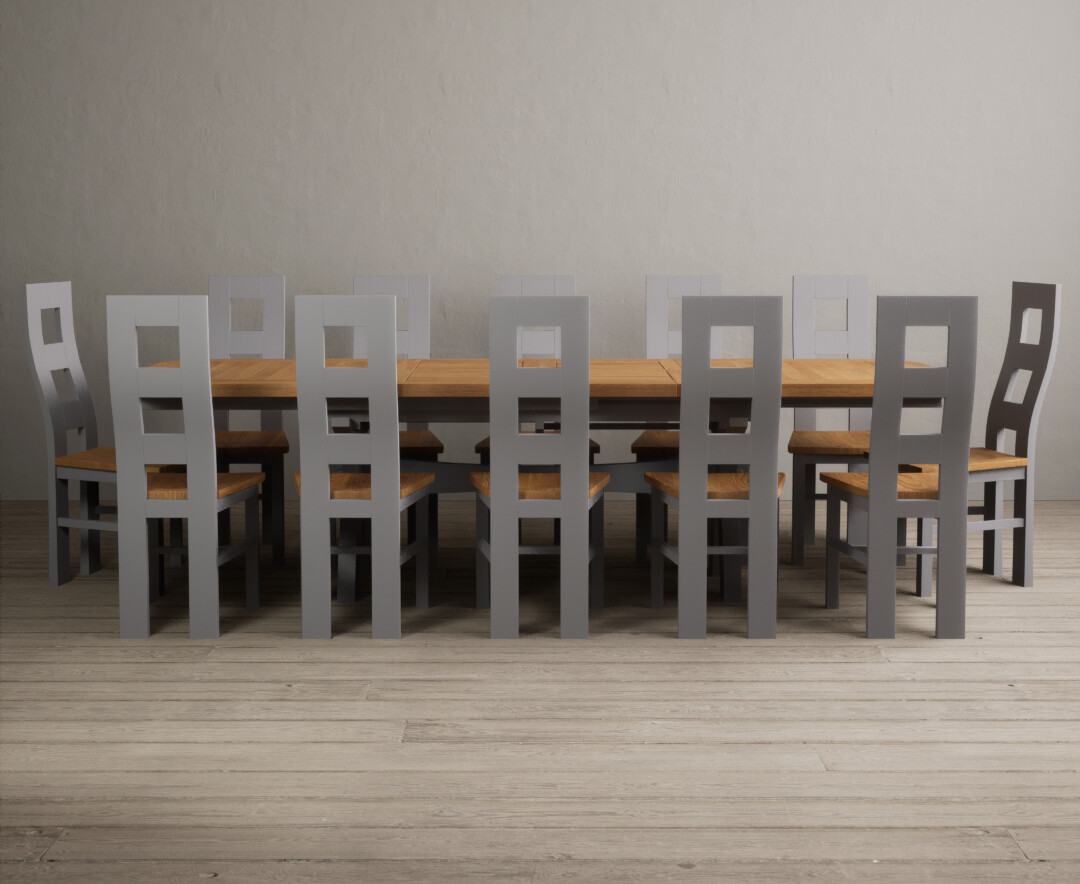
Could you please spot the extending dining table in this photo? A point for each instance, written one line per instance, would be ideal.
(624, 393)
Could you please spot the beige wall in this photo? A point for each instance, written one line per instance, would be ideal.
(931, 145)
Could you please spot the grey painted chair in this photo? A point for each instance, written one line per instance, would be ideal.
(1014, 407)
(515, 488)
(68, 410)
(196, 494)
(662, 294)
(417, 441)
(887, 492)
(709, 396)
(808, 445)
(267, 446)
(376, 492)
(537, 341)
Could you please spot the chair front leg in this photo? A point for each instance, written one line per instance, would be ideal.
(657, 532)
(276, 480)
(89, 540)
(798, 509)
(832, 554)
(59, 554)
(422, 507)
(1023, 572)
(251, 552)
(924, 562)
(483, 567)
(993, 500)
(642, 525)
(596, 566)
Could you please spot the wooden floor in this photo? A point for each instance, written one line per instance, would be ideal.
(631, 756)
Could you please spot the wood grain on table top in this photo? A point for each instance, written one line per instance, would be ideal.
(608, 378)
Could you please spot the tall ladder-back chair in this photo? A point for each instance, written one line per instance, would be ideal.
(374, 490)
(417, 441)
(268, 445)
(515, 488)
(1014, 407)
(701, 495)
(890, 491)
(197, 492)
(71, 433)
(662, 294)
(808, 445)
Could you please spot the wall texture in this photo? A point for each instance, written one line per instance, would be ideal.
(146, 144)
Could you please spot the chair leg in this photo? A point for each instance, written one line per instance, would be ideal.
(155, 538)
(574, 571)
(809, 474)
(251, 553)
(315, 600)
(89, 540)
(657, 532)
(347, 567)
(276, 478)
(881, 575)
(596, 566)
(483, 567)
(422, 551)
(203, 599)
(1023, 572)
(832, 554)
(176, 538)
(433, 531)
(761, 595)
(924, 562)
(993, 499)
(901, 540)
(59, 555)
(731, 583)
(798, 510)
(224, 523)
(642, 524)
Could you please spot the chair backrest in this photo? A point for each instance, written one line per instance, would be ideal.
(758, 384)
(558, 393)
(268, 342)
(537, 341)
(852, 341)
(1012, 406)
(662, 341)
(65, 397)
(268, 292)
(952, 383)
(134, 387)
(413, 342)
(371, 389)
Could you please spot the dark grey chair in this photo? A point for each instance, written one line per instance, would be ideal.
(888, 492)
(1014, 407)
(197, 493)
(268, 445)
(709, 395)
(68, 410)
(374, 491)
(539, 475)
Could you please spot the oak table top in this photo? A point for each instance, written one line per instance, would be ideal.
(817, 379)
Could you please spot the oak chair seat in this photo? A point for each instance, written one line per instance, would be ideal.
(103, 460)
(257, 443)
(656, 444)
(357, 486)
(988, 459)
(539, 486)
(173, 486)
(722, 486)
(840, 443)
(484, 445)
(922, 485)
